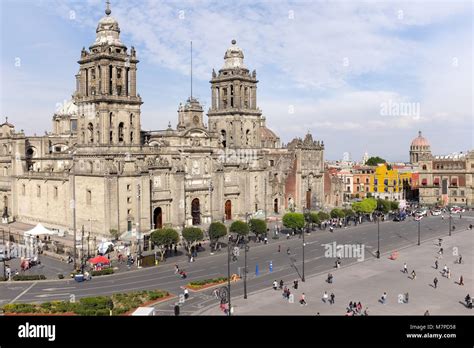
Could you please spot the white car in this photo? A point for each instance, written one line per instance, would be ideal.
(418, 217)
(436, 212)
(422, 212)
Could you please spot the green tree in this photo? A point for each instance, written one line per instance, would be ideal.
(323, 216)
(348, 212)
(373, 161)
(217, 230)
(366, 206)
(192, 235)
(295, 221)
(395, 205)
(337, 213)
(315, 218)
(258, 226)
(383, 205)
(239, 227)
(163, 237)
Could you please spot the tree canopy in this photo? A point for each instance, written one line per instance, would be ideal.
(217, 230)
(163, 237)
(373, 161)
(366, 206)
(323, 216)
(337, 213)
(258, 226)
(295, 221)
(239, 227)
(192, 235)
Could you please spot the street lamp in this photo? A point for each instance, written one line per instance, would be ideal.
(228, 275)
(378, 236)
(419, 221)
(245, 271)
(307, 217)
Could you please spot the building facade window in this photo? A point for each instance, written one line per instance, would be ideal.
(23, 189)
(129, 200)
(38, 191)
(55, 190)
(88, 197)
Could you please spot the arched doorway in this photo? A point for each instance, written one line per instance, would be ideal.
(275, 206)
(228, 210)
(158, 218)
(196, 211)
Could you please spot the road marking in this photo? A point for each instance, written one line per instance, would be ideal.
(24, 292)
(53, 289)
(51, 295)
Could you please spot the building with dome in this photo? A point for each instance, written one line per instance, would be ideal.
(98, 168)
(419, 148)
(443, 180)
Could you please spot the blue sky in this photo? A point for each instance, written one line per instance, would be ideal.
(334, 63)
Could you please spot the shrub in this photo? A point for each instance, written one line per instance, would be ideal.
(60, 276)
(102, 272)
(29, 277)
(295, 221)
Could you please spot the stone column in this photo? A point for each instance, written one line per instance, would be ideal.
(133, 81)
(114, 80)
(214, 91)
(237, 94)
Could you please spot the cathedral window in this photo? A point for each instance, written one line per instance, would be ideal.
(131, 119)
(93, 74)
(38, 191)
(247, 137)
(88, 197)
(73, 125)
(120, 132)
(90, 129)
(129, 200)
(23, 189)
(119, 90)
(119, 73)
(223, 138)
(131, 137)
(111, 137)
(55, 192)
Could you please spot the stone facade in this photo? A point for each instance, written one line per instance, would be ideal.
(99, 167)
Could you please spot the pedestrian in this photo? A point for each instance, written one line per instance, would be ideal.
(302, 300)
(366, 311)
(435, 282)
(350, 306)
(461, 280)
(405, 269)
(295, 285)
(439, 241)
(448, 273)
(281, 284)
(332, 298)
(330, 278)
(427, 313)
(275, 285)
(176, 269)
(279, 248)
(445, 270)
(460, 259)
(406, 297)
(288, 251)
(383, 298)
(325, 296)
(436, 264)
(285, 290)
(441, 251)
(413, 275)
(359, 307)
(186, 293)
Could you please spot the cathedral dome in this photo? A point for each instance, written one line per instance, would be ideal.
(108, 30)
(234, 57)
(420, 141)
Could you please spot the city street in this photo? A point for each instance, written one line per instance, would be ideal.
(393, 236)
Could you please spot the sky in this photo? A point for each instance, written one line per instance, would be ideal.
(359, 75)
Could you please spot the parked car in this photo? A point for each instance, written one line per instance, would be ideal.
(436, 212)
(422, 212)
(418, 217)
(457, 210)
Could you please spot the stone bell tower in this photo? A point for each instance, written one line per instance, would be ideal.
(106, 92)
(234, 114)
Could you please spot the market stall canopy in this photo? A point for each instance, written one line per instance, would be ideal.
(39, 229)
(99, 259)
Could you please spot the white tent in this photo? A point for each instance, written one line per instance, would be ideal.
(39, 229)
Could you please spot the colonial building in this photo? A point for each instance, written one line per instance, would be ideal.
(444, 180)
(98, 168)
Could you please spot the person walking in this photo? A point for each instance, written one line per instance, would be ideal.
(330, 278)
(448, 273)
(186, 293)
(413, 275)
(427, 313)
(288, 251)
(405, 269)
(384, 298)
(445, 270)
(332, 298)
(176, 269)
(436, 264)
(325, 296)
(279, 248)
(295, 285)
(275, 285)
(460, 259)
(406, 297)
(461, 280)
(303, 300)
(281, 284)
(435, 282)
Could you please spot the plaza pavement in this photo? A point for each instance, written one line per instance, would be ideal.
(366, 282)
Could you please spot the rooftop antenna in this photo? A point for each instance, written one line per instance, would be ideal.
(191, 70)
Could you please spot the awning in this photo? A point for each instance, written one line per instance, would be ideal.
(436, 181)
(454, 182)
(424, 182)
(99, 259)
(39, 229)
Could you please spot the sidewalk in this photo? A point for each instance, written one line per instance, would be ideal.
(368, 280)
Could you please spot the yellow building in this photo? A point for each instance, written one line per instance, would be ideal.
(388, 183)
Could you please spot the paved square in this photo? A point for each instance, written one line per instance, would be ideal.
(367, 281)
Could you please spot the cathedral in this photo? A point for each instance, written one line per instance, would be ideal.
(98, 168)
